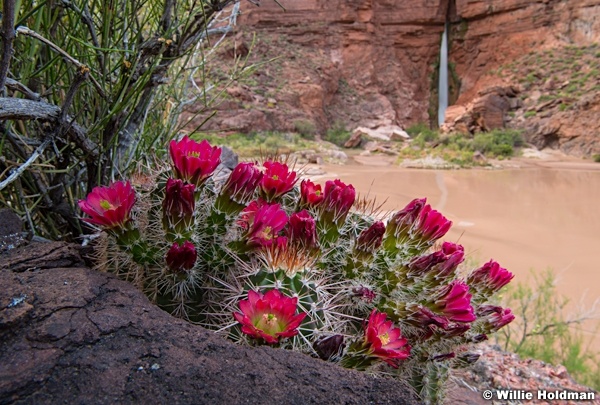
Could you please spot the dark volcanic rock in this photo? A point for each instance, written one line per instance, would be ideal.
(10, 223)
(10, 230)
(73, 335)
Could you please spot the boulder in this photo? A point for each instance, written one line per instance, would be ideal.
(74, 335)
(383, 133)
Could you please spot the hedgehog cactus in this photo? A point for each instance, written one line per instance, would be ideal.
(264, 260)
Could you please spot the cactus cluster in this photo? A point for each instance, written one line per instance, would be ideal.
(265, 258)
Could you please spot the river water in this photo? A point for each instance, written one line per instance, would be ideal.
(535, 217)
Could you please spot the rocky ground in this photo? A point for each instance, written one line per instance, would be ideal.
(70, 334)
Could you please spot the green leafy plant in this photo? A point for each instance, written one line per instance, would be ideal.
(309, 268)
(497, 142)
(306, 128)
(337, 134)
(459, 148)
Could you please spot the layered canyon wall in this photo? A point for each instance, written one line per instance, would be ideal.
(374, 62)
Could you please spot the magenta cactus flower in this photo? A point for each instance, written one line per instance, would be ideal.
(371, 238)
(109, 207)
(310, 194)
(247, 215)
(262, 223)
(193, 161)
(420, 221)
(455, 302)
(338, 198)
(179, 201)
(181, 257)
(384, 341)
(242, 182)
(490, 277)
(440, 264)
(431, 225)
(302, 230)
(404, 219)
(496, 317)
(277, 180)
(270, 316)
(501, 319)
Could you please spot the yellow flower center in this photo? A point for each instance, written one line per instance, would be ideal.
(385, 339)
(106, 205)
(275, 177)
(270, 319)
(317, 192)
(267, 233)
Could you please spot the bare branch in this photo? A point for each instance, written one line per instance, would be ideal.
(26, 31)
(21, 88)
(17, 172)
(8, 36)
(21, 109)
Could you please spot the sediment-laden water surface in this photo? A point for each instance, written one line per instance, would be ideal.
(536, 217)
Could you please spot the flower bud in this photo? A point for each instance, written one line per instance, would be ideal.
(482, 337)
(242, 182)
(182, 257)
(370, 239)
(466, 359)
(302, 230)
(364, 293)
(455, 302)
(178, 208)
(490, 277)
(445, 356)
(403, 220)
(179, 200)
(431, 225)
(438, 265)
(330, 346)
(337, 201)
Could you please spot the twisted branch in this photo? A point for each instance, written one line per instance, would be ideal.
(8, 36)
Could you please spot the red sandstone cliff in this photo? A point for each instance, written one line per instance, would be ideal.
(373, 62)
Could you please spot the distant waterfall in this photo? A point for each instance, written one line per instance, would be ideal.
(443, 76)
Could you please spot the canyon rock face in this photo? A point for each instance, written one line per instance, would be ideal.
(369, 63)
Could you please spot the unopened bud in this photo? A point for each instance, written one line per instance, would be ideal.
(330, 346)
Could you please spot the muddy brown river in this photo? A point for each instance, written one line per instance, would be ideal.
(538, 216)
